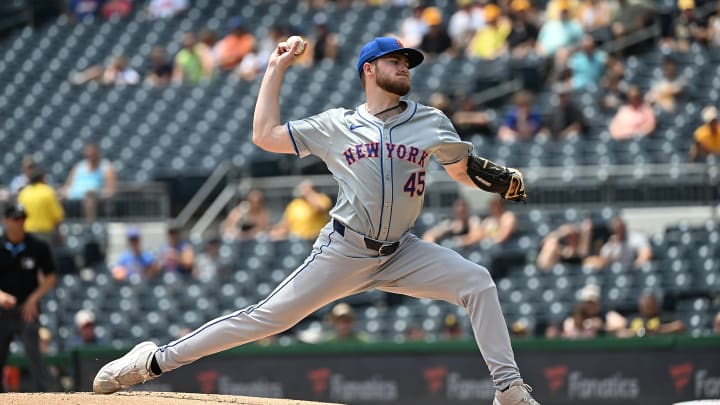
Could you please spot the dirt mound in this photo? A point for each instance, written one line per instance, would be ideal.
(141, 398)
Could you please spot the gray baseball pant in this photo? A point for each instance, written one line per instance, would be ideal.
(339, 266)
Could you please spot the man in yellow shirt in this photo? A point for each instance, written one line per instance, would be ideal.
(490, 41)
(305, 216)
(707, 136)
(44, 212)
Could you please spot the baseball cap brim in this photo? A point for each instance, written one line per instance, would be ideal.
(384, 46)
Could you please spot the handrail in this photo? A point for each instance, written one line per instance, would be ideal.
(202, 194)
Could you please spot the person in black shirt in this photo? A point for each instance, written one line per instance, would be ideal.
(27, 273)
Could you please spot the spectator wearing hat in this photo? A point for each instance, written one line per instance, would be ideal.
(490, 41)
(688, 29)
(27, 274)
(231, 50)
(588, 319)
(706, 136)
(525, 28)
(44, 211)
(436, 40)
(85, 332)
(451, 329)
(558, 34)
(134, 261)
(595, 15)
(343, 321)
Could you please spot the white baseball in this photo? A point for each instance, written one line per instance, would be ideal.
(301, 46)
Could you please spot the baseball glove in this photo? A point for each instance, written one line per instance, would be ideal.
(493, 178)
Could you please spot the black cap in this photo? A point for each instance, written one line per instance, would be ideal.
(15, 211)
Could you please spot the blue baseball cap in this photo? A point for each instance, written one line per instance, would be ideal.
(382, 46)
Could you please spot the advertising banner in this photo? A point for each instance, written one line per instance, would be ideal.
(648, 376)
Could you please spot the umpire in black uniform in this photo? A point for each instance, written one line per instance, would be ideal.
(27, 273)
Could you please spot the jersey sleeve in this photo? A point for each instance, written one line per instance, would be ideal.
(311, 135)
(449, 148)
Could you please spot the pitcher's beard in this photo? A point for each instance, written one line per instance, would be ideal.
(393, 86)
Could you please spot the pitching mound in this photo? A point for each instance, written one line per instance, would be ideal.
(142, 398)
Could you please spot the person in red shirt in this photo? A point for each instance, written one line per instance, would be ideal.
(231, 50)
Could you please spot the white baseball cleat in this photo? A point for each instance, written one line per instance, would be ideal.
(517, 394)
(130, 369)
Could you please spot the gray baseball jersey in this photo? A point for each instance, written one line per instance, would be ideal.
(380, 167)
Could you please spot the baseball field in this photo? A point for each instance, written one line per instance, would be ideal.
(141, 398)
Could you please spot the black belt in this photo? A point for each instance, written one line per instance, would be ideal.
(383, 248)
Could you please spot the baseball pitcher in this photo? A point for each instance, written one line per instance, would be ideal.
(379, 154)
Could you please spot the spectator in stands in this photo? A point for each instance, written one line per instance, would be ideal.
(706, 136)
(667, 88)
(468, 119)
(436, 39)
(135, 261)
(554, 8)
(91, 180)
(498, 227)
(524, 30)
(413, 28)
(167, 8)
(490, 41)
(713, 33)
(231, 50)
(463, 228)
(595, 15)
(614, 94)
(588, 319)
(569, 243)
(177, 255)
(523, 120)
(464, 22)
(116, 73)
(716, 324)
(565, 120)
(559, 34)
(85, 335)
(343, 321)
(210, 265)
(687, 29)
(324, 41)
(650, 321)
(415, 333)
(248, 219)
(451, 328)
(22, 179)
(305, 216)
(624, 247)
(634, 119)
(194, 62)
(113, 9)
(588, 64)
(254, 63)
(161, 70)
(82, 10)
(44, 212)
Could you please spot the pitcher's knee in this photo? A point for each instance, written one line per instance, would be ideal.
(477, 281)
